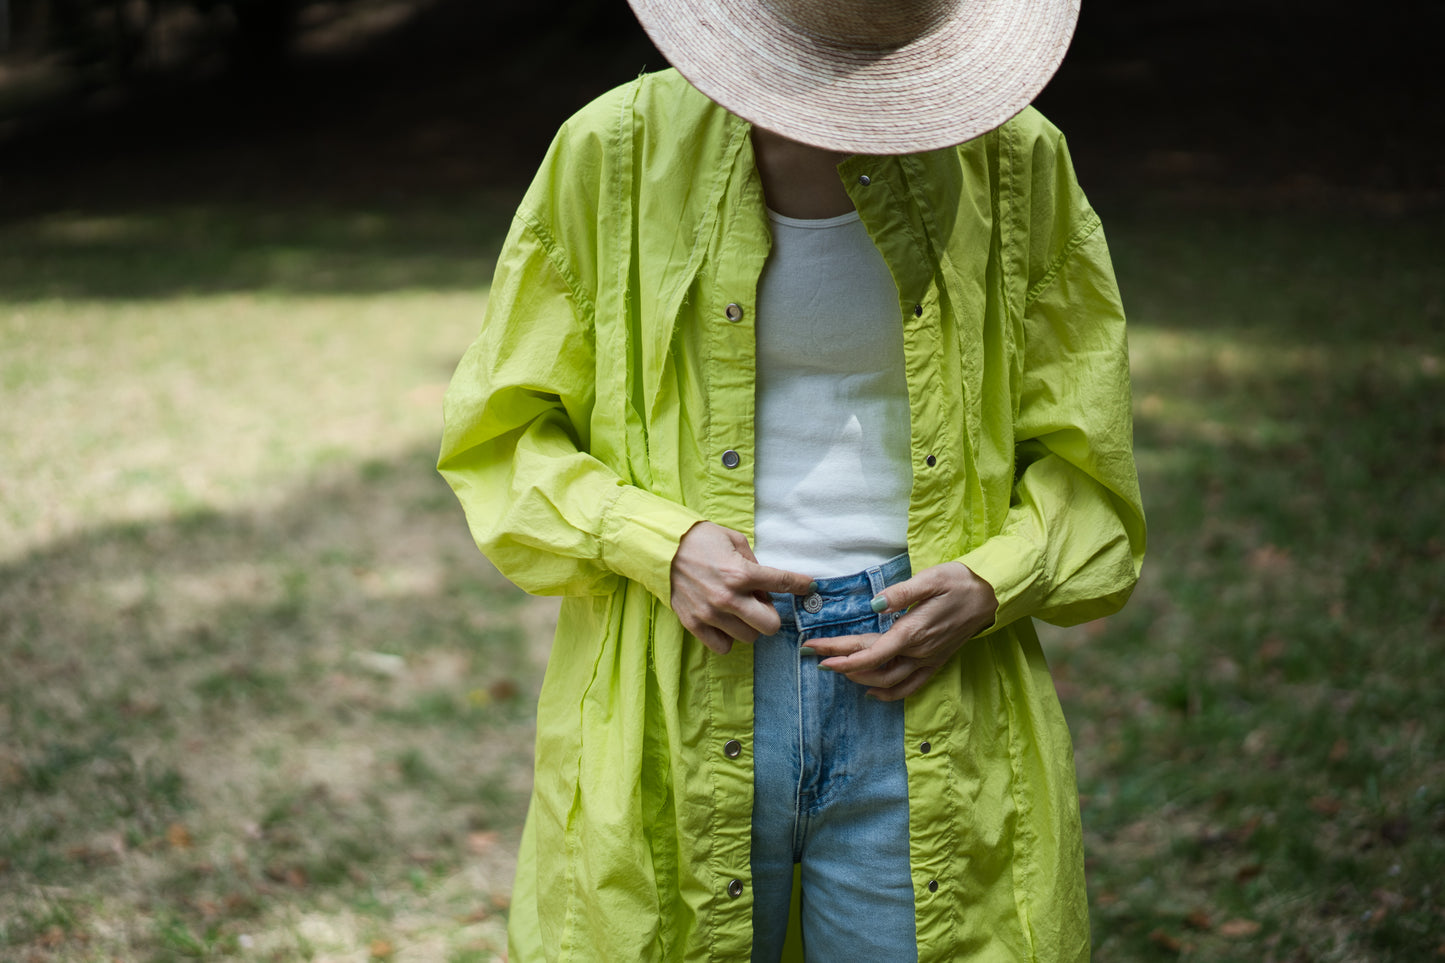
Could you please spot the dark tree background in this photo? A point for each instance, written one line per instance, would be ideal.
(1265, 101)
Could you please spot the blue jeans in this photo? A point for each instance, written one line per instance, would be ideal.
(830, 786)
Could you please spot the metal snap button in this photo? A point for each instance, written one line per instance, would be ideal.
(864, 179)
(926, 748)
(930, 461)
(734, 312)
(918, 310)
(933, 885)
(731, 459)
(813, 603)
(735, 888)
(732, 748)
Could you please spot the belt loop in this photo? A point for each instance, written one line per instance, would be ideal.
(787, 606)
(876, 584)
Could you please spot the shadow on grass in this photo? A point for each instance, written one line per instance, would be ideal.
(213, 718)
(167, 252)
(1259, 733)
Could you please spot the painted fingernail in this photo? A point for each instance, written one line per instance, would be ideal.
(879, 603)
(812, 588)
(807, 650)
(825, 668)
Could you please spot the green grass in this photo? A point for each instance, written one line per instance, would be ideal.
(261, 698)
(1259, 734)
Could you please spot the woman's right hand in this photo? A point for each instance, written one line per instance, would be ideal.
(720, 592)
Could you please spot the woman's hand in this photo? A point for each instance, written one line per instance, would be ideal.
(719, 590)
(946, 606)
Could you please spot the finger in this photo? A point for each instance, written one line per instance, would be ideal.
(768, 579)
(840, 645)
(885, 676)
(905, 594)
(914, 681)
(714, 638)
(759, 615)
(740, 545)
(882, 649)
(738, 628)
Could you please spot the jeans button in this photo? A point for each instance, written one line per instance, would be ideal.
(813, 603)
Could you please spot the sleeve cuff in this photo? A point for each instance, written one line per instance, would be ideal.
(640, 534)
(1012, 566)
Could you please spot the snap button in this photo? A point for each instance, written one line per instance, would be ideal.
(733, 312)
(732, 748)
(918, 310)
(930, 461)
(735, 888)
(731, 459)
(933, 885)
(864, 179)
(926, 748)
(813, 603)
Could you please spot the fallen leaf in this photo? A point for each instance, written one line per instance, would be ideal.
(1165, 941)
(384, 664)
(1326, 805)
(1388, 899)
(479, 915)
(1339, 751)
(1270, 558)
(481, 843)
(381, 950)
(178, 836)
(1272, 649)
(1248, 872)
(1238, 929)
(1395, 831)
(503, 690)
(1199, 920)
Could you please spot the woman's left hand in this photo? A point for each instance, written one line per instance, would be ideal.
(946, 606)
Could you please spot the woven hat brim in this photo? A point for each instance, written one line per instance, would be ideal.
(979, 67)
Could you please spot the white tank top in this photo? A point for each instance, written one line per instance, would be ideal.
(833, 476)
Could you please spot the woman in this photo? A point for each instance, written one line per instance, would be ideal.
(820, 383)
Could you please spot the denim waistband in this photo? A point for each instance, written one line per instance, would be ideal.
(842, 598)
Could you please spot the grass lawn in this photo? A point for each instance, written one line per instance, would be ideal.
(260, 698)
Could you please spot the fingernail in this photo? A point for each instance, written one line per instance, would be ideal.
(879, 603)
(812, 588)
(807, 650)
(825, 668)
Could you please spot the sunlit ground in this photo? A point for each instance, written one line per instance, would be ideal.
(261, 698)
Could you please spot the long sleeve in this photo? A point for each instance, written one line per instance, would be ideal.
(549, 515)
(1072, 543)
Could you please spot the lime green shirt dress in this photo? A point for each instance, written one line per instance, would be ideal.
(586, 431)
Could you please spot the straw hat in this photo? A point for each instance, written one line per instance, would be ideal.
(866, 76)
